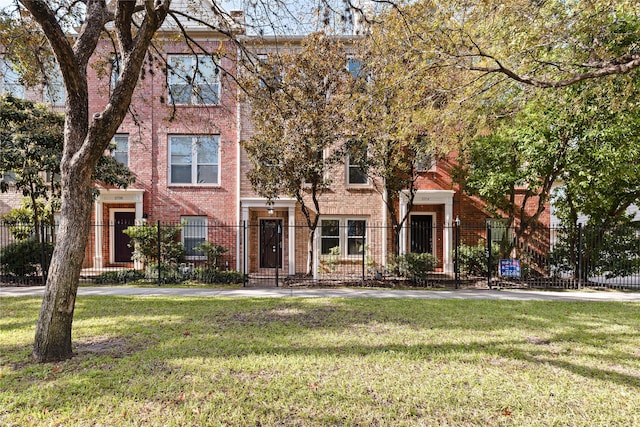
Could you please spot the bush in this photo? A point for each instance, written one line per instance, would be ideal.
(213, 275)
(121, 276)
(214, 254)
(168, 273)
(23, 258)
(472, 260)
(145, 243)
(415, 265)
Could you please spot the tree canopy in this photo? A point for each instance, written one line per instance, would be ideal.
(296, 108)
(31, 139)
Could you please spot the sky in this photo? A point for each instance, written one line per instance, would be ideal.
(298, 18)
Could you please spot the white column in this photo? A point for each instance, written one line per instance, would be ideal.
(97, 234)
(385, 228)
(245, 247)
(292, 240)
(403, 233)
(448, 236)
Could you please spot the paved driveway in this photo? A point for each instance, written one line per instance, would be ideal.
(524, 295)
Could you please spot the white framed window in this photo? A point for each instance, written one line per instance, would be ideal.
(194, 159)
(499, 230)
(121, 148)
(270, 75)
(7, 178)
(356, 236)
(194, 233)
(356, 172)
(116, 68)
(193, 80)
(9, 79)
(354, 66)
(347, 234)
(329, 235)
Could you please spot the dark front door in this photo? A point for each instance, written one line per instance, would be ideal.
(422, 234)
(270, 243)
(122, 220)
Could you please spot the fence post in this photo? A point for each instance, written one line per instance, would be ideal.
(278, 257)
(159, 256)
(244, 253)
(456, 265)
(364, 255)
(580, 260)
(489, 254)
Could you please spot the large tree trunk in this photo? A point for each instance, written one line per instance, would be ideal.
(53, 331)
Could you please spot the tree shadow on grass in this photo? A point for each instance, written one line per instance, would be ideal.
(151, 337)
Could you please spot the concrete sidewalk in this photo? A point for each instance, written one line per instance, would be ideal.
(523, 295)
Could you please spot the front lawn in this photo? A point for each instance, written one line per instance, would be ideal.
(317, 362)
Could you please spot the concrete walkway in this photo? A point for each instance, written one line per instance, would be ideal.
(524, 295)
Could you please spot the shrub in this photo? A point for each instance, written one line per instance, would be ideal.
(472, 260)
(214, 253)
(120, 276)
(23, 258)
(145, 244)
(168, 273)
(415, 265)
(213, 275)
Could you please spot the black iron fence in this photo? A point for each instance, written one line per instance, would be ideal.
(342, 251)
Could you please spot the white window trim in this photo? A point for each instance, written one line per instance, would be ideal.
(498, 229)
(183, 219)
(422, 166)
(194, 161)
(348, 175)
(122, 135)
(195, 98)
(343, 235)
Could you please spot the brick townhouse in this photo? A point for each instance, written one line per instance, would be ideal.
(182, 142)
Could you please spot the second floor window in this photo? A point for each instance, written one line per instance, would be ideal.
(356, 167)
(354, 67)
(194, 159)
(121, 149)
(193, 80)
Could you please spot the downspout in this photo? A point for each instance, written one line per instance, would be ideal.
(239, 236)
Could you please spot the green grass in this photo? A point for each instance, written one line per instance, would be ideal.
(317, 362)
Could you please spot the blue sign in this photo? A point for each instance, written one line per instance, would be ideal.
(510, 268)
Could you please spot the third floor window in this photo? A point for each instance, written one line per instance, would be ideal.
(193, 80)
(194, 159)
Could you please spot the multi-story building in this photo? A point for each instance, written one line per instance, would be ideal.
(182, 140)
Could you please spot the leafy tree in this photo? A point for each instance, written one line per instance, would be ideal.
(297, 117)
(482, 61)
(132, 26)
(146, 244)
(602, 179)
(514, 168)
(31, 138)
(388, 122)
